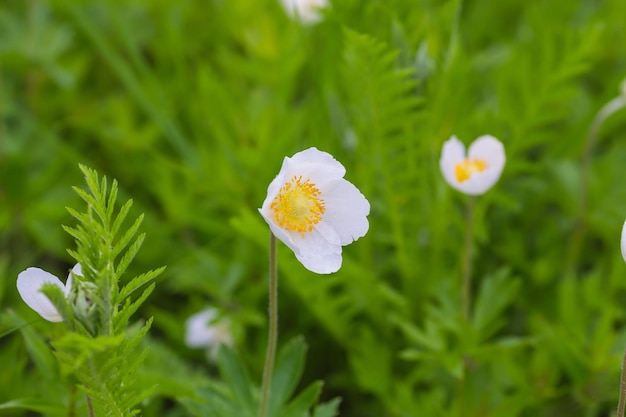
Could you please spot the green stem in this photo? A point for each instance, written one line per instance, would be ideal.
(622, 389)
(92, 413)
(585, 168)
(467, 260)
(272, 331)
(467, 299)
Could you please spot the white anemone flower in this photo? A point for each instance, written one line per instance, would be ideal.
(476, 172)
(203, 330)
(308, 11)
(624, 241)
(312, 209)
(29, 283)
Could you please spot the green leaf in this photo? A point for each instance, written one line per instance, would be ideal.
(301, 405)
(129, 255)
(287, 373)
(122, 317)
(121, 216)
(35, 404)
(235, 375)
(139, 281)
(496, 294)
(57, 298)
(127, 237)
(37, 348)
(328, 409)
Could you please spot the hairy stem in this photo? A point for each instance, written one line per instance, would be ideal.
(272, 331)
(622, 389)
(467, 260)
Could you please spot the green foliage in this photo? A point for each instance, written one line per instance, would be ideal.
(233, 397)
(101, 354)
(192, 107)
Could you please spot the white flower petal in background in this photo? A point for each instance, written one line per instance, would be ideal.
(313, 210)
(29, 283)
(308, 11)
(76, 270)
(476, 172)
(203, 330)
(624, 241)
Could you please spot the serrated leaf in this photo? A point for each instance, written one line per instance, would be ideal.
(129, 255)
(129, 308)
(139, 281)
(121, 216)
(127, 237)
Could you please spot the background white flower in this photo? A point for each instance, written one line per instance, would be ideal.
(29, 283)
(477, 172)
(306, 10)
(624, 241)
(312, 209)
(203, 330)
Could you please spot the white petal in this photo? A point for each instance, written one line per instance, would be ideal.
(487, 148)
(199, 332)
(315, 156)
(346, 212)
(76, 270)
(452, 153)
(490, 150)
(305, 10)
(29, 283)
(343, 221)
(276, 184)
(316, 253)
(317, 166)
(624, 241)
(312, 164)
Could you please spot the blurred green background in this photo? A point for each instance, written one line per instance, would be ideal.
(192, 106)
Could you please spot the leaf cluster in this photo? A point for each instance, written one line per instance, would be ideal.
(101, 351)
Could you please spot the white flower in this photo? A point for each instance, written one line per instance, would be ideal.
(203, 331)
(477, 172)
(624, 241)
(306, 10)
(29, 283)
(314, 210)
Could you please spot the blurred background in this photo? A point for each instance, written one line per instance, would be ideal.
(193, 105)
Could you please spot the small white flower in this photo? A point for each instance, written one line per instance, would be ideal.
(624, 241)
(203, 331)
(477, 172)
(29, 283)
(306, 10)
(314, 210)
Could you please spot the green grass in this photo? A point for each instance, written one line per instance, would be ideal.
(192, 106)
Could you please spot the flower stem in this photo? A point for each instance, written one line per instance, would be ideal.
(272, 331)
(467, 299)
(585, 168)
(622, 389)
(90, 409)
(467, 260)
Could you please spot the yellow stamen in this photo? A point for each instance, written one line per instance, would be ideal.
(297, 206)
(468, 167)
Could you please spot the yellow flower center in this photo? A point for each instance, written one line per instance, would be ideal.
(297, 206)
(468, 167)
